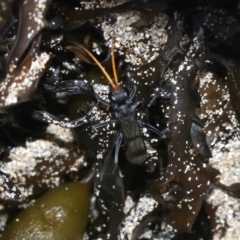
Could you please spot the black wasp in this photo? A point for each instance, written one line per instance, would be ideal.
(124, 111)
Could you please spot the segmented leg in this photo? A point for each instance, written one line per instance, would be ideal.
(164, 93)
(118, 145)
(71, 87)
(106, 103)
(132, 94)
(49, 118)
(153, 129)
(104, 124)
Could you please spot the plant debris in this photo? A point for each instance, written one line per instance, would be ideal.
(153, 134)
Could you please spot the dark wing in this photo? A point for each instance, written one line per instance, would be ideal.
(71, 87)
(136, 151)
(109, 188)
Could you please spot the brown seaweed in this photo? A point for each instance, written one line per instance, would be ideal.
(31, 22)
(199, 140)
(233, 73)
(182, 162)
(194, 176)
(233, 189)
(225, 26)
(214, 127)
(153, 216)
(20, 83)
(76, 18)
(5, 16)
(162, 62)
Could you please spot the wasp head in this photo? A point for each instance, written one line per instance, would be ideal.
(119, 96)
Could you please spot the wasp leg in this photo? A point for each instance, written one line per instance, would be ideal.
(132, 94)
(153, 129)
(138, 106)
(49, 118)
(164, 93)
(118, 144)
(106, 103)
(100, 125)
(71, 87)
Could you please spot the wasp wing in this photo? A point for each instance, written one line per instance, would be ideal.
(136, 151)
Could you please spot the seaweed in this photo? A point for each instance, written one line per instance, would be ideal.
(163, 151)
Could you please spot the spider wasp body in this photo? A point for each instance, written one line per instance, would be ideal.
(124, 110)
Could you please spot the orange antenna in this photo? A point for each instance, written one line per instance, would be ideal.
(114, 65)
(115, 87)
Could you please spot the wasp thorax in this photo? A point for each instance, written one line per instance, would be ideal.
(119, 96)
